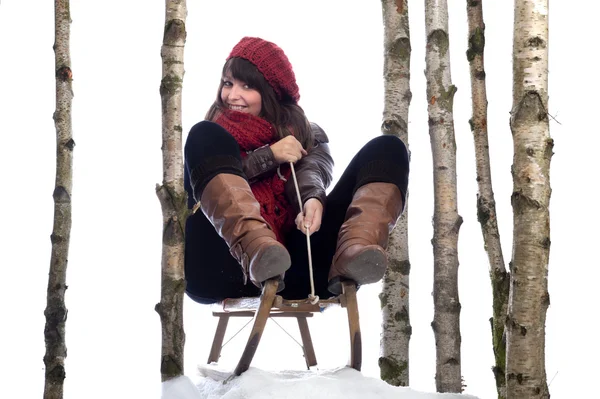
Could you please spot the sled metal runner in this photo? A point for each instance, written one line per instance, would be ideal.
(271, 305)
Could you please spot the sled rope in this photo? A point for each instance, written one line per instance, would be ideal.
(238, 331)
(285, 331)
(312, 297)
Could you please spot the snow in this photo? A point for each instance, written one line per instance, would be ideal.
(342, 383)
(115, 250)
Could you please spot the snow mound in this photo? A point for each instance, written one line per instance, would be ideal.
(342, 383)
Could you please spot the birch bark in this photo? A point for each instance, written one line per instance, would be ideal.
(396, 328)
(529, 298)
(486, 205)
(446, 221)
(171, 193)
(56, 310)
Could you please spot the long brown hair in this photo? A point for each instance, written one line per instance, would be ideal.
(286, 116)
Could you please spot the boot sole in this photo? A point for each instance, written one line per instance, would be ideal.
(365, 268)
(274, 260)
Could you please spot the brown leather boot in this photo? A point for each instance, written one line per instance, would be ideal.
(360, 253)
(228, 202)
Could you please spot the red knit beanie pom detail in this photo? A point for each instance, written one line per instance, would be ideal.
(272, 62)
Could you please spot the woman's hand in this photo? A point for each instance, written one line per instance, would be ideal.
(288, 149)
(311, 217)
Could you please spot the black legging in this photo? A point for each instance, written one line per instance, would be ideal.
(212, 274)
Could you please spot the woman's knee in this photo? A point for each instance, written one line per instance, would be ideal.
(207, 139)
(383, 159)
(386, 148)
(387, 145)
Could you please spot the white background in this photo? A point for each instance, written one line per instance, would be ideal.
(113, 333)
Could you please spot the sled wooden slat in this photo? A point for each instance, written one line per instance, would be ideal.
(260, 320)
(307, 346)
(215, 350)
(349, 290)
(279, 304)
(270, 305)
(274, 313)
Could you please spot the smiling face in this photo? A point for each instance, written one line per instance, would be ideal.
(239, 96)
(243, 88)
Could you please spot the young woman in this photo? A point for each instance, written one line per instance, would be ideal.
(247, 225)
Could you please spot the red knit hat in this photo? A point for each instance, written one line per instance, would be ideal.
(272, 62)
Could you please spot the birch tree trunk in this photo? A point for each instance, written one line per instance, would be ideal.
(529, 299)
(446, 221)
(396, 328)
(171, 193)
(486, 205)
(56, 310)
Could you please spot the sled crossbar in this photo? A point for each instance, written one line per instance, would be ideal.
(271, 305)
(279, 305)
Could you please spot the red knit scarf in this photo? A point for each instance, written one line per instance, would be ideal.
(252, 132)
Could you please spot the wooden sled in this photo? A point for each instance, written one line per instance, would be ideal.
(271, 305)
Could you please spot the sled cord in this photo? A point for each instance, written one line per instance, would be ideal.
(312, 297)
